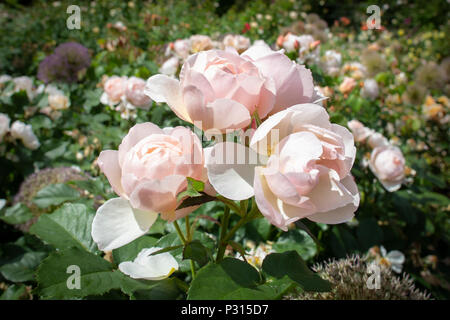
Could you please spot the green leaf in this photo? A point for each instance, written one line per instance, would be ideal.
(158, 227)
(94, 186)
(271, 290)
(369, 233)
(196, 201)
(235, 280)
(258, 229)
(228, 277)
(96, 275)
(197, 185)
(290, 264)
(194, 187)
(297, 240)
(167, 249)
(43, 102)
(19, 213)
(41, 121)
(130, 251)
(92, 99)
(172, 240)
(54, 195)
(169, 240)
(166, 289)
(58, 151)
(14, 292)
(197, 252)
(69, 226)
(22, 268)
(238, 247)
(342, 241)
(20, 98)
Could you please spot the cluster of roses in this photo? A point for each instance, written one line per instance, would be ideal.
(386, 161)
(126, 94)
(296, 164)
(306, 47)
(180, 49)
(57, 100)
(18, 131)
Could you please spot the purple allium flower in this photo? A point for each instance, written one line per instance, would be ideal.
(50, 69)
(65, 63)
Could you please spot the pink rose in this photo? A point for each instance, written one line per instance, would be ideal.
(24, 132)
(347, 85)
(58, 101)
(240, 43)
(182, 48)
(388, 165)
(170, 66)
(135, 95)
(293, 82)
(298, 166)
(360, 132)
(4, 125)
(200, 43)
(377, 140)
(289, 42)
(218, 88)
(222, 89)
(148, 172)
(114, 88)
(370, 89)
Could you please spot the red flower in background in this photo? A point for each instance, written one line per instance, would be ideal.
(246, 28)
(345, 21)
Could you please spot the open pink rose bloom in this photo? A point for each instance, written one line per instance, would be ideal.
(147, 172)
(222, 89)
(300, 169)
(296, 164)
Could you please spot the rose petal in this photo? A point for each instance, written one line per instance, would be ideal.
(396, 257)
(145, 266)
(231, 170)
(108, 161)
(162, 88)
(266, 98)
(116, 223)
(136, 134)
(350, 195)
(268, 203)
(294, 83)
(331, 193)
(159, 195)
(227, 114)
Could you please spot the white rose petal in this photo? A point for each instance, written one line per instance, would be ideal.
(150, 267)
(116, 223)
